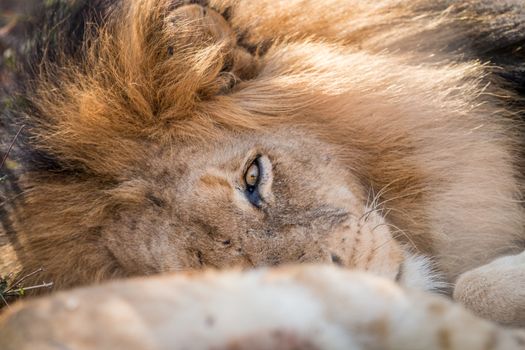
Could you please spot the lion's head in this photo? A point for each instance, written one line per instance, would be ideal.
(248, 199)
(173, 142)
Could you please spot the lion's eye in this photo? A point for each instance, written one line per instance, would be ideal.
(257, 181)
(252, 175)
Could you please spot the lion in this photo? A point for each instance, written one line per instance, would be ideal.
(166, 136)
(286, 308)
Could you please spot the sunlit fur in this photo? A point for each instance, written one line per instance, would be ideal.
(382, 145)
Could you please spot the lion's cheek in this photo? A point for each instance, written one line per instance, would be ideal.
(144, 248)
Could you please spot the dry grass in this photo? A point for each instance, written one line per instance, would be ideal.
(13, 20)
(13, 287)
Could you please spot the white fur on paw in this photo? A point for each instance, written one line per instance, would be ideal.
(495, 291)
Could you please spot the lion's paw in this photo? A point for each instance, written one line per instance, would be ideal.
(495, 291)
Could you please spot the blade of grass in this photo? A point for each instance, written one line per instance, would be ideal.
(11, 146)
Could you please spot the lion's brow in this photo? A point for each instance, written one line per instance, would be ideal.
(214, 181)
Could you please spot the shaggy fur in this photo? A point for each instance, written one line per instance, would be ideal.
(378, 135)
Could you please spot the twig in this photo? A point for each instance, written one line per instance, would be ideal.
(5, 301)
(21, 291)
(5, 30)
(11, 146)
(22, 279)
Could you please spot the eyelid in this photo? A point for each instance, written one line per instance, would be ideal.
(249, 161)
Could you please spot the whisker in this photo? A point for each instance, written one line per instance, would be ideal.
(398, 197)
(374, 204)
(404, 213)
(367, 214)
(396, 233)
